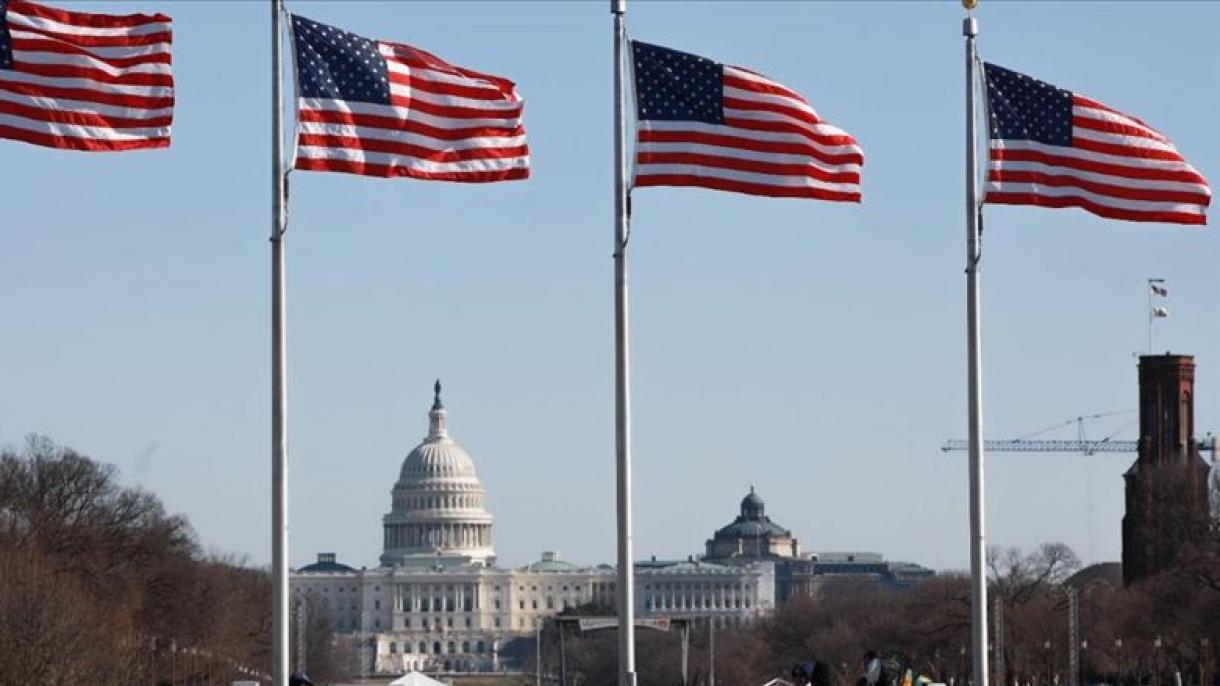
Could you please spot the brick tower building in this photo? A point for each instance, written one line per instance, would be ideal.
(1167, 487)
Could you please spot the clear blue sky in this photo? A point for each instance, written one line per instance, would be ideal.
(815, 350)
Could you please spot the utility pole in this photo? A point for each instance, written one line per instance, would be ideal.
(302, 629)
(1001, 675)
(1073, 637)
(685, 651)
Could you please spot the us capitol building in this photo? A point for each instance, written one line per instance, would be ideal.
(438, 602)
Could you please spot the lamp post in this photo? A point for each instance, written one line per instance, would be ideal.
(1204, 644)
(1118, 658)
(1084, 652)
(1046, 651)
(1156, 659)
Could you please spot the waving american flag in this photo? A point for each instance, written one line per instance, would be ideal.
(1055, 148)
(85, 81)
(711, 125)
(385, 109)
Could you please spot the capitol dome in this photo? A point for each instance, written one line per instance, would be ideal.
(438, 513)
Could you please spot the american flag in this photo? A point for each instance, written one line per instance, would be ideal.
(84, 81)
(1055, 148)
(385, 109)
(712, 125)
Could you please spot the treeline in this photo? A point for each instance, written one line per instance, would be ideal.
(100, 585)
(1161, 632)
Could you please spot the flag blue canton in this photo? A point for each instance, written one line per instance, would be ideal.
(1024, 108)
(337, 64)
(677, 86)
(6, 41)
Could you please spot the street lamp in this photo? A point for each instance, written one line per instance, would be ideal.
(1156, 643)
(1203, 645)
(1046, 647)
(1084, 649)
(1118, 657)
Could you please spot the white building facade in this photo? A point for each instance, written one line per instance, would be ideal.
(438, 602)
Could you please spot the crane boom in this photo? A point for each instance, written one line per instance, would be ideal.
(1087, 447)
(1025, 446)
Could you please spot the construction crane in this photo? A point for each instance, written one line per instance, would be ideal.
(1081, 444)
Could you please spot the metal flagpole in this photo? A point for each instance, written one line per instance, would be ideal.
(978, 543)
(279, 393)
(1149, 316)
(622, 399)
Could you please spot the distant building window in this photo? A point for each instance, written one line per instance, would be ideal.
(393, 647)
(497, 603)
(377, 623)
(467, 622)
(534, 602)
(406, 622)
(450, 622)
(436, 648)
(452, 647)
(497, 621)
(481, 647)
(521, 604)
(550, 603)
(423, 647)
(465, 646)
(376, 604)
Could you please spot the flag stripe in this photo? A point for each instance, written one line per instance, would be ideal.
(1153, 192)
(71, 21)
(693, 178)
(1111, 165)
(389, 171)
(739, 164)
(730, 137)
(411, 161)
(34, 111)
(85, 81)
(384, 115)
(1043, 199)
(158, 61)
(87, 39)
(360, 139)
(150, 117)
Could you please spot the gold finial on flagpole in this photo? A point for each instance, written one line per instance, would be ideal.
(970, 4)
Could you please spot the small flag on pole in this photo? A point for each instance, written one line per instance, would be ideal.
(702, 123)
(1160, 312)
(1159, 291)
(83, 81)
(1055, 148)
(385, 109)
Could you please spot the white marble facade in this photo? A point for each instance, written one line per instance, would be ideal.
(438, 602)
